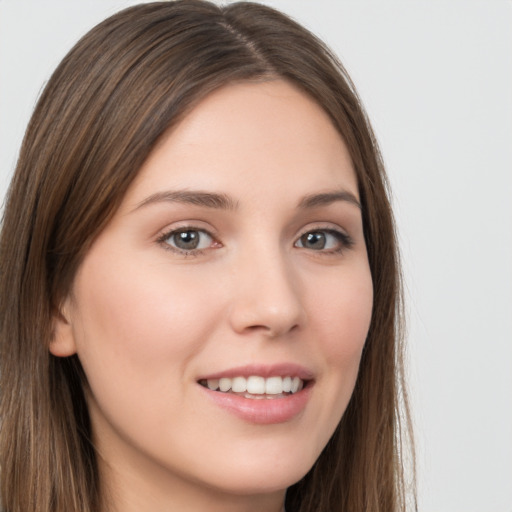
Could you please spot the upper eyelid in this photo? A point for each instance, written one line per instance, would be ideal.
(169, 232)
(203, 225)
(324, 226)
(186, 226)
(166, 234)
(197, 225)
(192, 226)
(343, 234)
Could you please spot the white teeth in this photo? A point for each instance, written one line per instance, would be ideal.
(274, 386)
(239, 385)
(213, 384)
(225, 384)
(256, 385)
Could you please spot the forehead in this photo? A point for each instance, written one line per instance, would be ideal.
(250, 136)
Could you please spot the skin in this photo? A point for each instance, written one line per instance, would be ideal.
(148, 320)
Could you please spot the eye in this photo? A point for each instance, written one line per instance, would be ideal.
(327, 240)
(187, 240)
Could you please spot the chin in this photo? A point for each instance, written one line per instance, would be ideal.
(264, 477)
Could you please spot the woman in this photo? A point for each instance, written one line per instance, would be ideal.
(199, 287)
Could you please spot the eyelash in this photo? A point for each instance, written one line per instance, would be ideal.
(344, 240)
(163, 240)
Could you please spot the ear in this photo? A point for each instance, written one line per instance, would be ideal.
(62, 343)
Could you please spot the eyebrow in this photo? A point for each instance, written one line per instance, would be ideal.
(327, 198)
(224, 202)
(196, 197)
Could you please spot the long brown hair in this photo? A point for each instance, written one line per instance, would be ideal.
(118, 90)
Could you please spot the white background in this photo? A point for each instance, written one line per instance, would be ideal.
(436, 78)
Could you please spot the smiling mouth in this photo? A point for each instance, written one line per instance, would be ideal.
(256, 387)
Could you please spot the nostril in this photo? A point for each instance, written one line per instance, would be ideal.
(273, 330)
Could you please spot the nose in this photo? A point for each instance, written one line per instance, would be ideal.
(267, 298)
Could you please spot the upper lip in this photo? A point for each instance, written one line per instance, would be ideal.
(263, 370)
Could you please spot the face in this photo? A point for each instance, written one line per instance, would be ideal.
(221, 315)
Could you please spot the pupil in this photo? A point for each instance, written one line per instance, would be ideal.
(314, 240)
(186, 240)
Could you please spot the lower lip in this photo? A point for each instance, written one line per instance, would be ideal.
(264, 411)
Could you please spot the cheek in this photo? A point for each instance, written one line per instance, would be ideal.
(344, 314)
(133, 320)
(342, 321)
